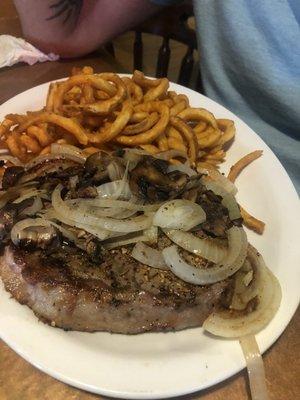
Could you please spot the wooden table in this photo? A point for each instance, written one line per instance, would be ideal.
(21, 381)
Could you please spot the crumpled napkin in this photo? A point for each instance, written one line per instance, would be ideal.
(14, 50)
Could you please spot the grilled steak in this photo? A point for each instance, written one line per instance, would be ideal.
(120, 295)
(83, 285)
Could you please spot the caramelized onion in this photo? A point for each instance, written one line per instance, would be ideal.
(182, 168)
(48, 157)
(16, 233)
(228, 199)
(220, 179)
(148, 256)
(236, 254)
(128, 225)
(179, 214)
(115, 190)
(205, 247)
(66, 150)
(11, 159)
(235, 324)
(36, 207)
(101, 234)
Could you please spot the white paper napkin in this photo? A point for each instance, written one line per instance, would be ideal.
(14, 50)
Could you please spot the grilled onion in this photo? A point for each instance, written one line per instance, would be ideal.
(235, 324)
(11, 159)
(228, 199)
(36, 206)
(179, 214)
(16, 233)
(66, 150)
(236, 254)
(205, 247)
(148, 256)
(128, 225)
(115, 190)
(49, 157)
(101, 234)
(220, 179)
(182, 168)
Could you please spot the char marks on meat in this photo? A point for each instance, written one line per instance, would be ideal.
(89, 288)
(120, 295)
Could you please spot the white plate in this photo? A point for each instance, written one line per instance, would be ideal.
(157, 365)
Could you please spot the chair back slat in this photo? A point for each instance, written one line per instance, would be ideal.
(138, 51)
(186, 68)
(163, 59)
(171, 23)
(199, 82)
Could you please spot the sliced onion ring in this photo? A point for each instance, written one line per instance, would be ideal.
(205, 247)
(48, 157)
(11, 159)
(238, 324)
(148, 256)
(110, 203)
(36, 207)
(237, 249)
(182, 168)
(114, 190)
(228, 199)
(68, 150)
(101, 234)
(179, 214)
(220, 179)
(26, 223)
(131, 225)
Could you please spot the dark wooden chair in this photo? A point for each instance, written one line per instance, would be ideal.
(170, 24)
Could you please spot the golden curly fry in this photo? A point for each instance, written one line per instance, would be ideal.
(134, 91)
(252, 222)
(198, 114)
(101, 95)
(150, 148)
(30, 143)
(176, 144)
(226, 126)
(177, 108)
(189, 136)
(208, 138)
(67, 123)
(242, 163)
(88, 94)
(155, 93)
(105, 110)
(95, 81)
(141, 126)
(40, 134)
(15, 147)
(162, 143)
(153, 133)
(53, 88)
(200, 127)
(139, 78)
(5, 127)
(138, 116)
(106, 106)
(115, 128)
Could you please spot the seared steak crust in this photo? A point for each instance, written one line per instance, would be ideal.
(119, 295)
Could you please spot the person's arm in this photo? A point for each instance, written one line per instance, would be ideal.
(75, 27)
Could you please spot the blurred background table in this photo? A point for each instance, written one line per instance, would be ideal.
(21, 381)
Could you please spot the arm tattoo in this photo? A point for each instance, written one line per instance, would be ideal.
(68, 9)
